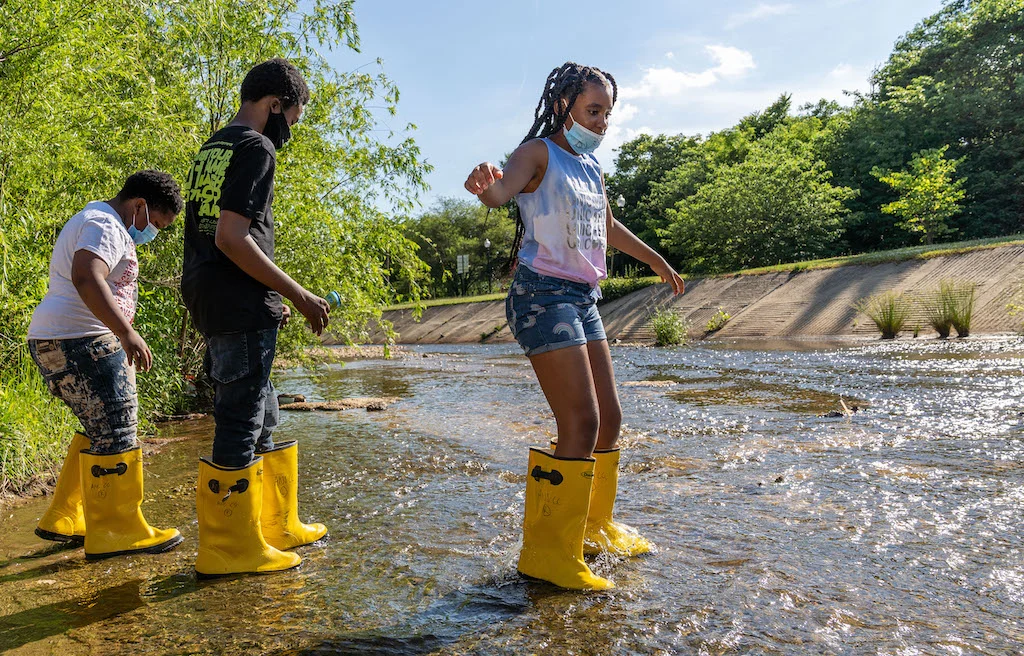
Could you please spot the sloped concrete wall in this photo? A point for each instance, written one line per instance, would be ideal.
(796, 304)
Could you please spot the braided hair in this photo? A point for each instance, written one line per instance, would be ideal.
(564, 83)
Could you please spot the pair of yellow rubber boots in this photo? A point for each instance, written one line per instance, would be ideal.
(569, 505)
(97, 502)
(249, 516)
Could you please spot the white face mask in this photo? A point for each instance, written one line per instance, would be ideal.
(581, 139)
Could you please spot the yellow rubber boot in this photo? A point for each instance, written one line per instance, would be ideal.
(282, 528)
(604, 534)
(557, 501)
(64, 520)
(112, 498)
(229, 501)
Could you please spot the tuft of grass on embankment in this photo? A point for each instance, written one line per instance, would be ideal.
(35, 428)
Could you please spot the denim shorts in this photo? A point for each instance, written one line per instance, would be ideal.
(547, 313)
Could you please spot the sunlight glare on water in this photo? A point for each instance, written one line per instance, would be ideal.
(891, 531)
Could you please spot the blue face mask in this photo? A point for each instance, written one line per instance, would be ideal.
(145, 235)
(581, 139)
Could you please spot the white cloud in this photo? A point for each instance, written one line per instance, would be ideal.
(662, 82)
(732, 62)
(761, 11)
(623, 113)
(717, 108)
(616, 136)
(670, 55)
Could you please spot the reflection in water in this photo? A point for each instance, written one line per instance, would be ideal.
(893, 531)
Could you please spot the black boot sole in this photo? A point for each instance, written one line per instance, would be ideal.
(76, 540)
(208, 577)
(156, 549)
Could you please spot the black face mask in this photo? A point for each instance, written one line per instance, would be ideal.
(277, 129)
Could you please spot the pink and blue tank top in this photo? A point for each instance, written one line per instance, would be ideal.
(565, 219)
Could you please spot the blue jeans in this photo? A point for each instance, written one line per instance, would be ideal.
(546, 313)
(92, 376)
(244, 400)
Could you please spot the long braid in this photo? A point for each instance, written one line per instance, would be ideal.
(563, 83)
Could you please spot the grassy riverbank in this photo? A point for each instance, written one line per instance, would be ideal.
(35, 430)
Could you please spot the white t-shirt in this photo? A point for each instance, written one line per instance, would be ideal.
(62, 314)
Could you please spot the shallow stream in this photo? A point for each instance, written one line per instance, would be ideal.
(896, 530)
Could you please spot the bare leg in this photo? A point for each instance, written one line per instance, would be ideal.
(607, 398)
(568, 384)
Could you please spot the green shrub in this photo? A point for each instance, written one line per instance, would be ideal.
(888, 310)
(669, 327)
(718, 321)
(614, 288)
(938, 311)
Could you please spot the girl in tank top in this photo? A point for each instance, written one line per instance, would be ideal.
(565, 226)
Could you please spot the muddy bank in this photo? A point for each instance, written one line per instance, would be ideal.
(796, 304)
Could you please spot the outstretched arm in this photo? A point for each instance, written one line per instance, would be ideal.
(495, 187)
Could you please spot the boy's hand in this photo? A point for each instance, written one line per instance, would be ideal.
(286, 314)
(315, 309)
(137, 350)
(482, 177)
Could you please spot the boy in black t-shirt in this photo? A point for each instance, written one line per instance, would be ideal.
(233, 289)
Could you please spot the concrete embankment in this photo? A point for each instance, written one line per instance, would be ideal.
(778, 305)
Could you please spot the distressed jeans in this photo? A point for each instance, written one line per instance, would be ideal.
(244, 399)
(92, 376)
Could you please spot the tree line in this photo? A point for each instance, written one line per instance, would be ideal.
(97, 89)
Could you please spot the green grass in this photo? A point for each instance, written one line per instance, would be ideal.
(896, 255)
(35, 428)
(455, 300)
(888, 310)
(614, 288)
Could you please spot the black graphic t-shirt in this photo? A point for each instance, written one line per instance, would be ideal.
(233, 171)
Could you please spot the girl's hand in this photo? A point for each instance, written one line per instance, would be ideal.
(482, 177)
(669, 275)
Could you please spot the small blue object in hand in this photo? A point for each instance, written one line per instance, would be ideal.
(333, 299)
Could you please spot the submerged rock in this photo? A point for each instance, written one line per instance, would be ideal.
(369, 402)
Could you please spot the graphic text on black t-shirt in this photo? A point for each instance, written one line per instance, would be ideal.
(205, 181)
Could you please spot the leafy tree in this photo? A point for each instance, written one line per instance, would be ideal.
(954, 79)
(776, 205)
(640, 164)
(97, 89)
(761, 124)
(453, 227)
(929, 196)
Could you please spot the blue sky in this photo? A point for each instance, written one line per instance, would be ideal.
(470, 73)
